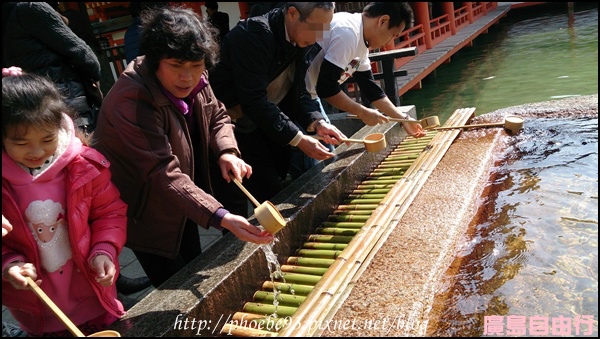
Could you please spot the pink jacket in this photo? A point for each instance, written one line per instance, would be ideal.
(95, 213)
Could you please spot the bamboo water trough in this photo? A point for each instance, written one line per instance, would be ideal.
(316, 281)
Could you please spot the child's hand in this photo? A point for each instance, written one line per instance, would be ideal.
(15, 273)
(105, 269)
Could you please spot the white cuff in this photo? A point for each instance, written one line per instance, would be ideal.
(296, 139)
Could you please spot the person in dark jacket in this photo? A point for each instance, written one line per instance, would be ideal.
(169, 140)
(217, 18)
(259, 78)
(131, 39)
(37, 39)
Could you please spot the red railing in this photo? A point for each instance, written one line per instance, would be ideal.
(478, 10)
(440, 29)
(461, 18)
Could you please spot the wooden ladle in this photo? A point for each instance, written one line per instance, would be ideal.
(266, 213)
(63, 317)
(374, 142)
(427, 123)
(511, 122)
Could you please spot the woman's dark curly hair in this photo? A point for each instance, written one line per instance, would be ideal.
(178, 33)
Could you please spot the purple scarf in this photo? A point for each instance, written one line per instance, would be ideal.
(183, 105)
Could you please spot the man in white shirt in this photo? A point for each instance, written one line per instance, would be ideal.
(345, 52)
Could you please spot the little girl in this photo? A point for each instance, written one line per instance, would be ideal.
(68, 221)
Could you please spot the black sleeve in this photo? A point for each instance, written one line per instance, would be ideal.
(368, 86)
(327, 83)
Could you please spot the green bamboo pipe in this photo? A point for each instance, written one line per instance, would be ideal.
(396, 163)
(416, 141)
(314, 262)
(387, 171)
(392, 166)
(338, 217)
(389, 179)
(357, 207)
(324, 246)
(265, 297)
(268, 309)
(402, 157)
(353, 212)
(327, 254)
(363, 186)
(366, 196)
(342, 224)
(296, 289)
(337, 231)
(412, 148)
(361, 201)
(340, 239)
(304, 269)
(401, 152)
(386, 175)
(383, 181)
(303, 279)
(372, 190)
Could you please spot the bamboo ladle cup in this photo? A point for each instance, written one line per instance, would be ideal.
(63, 317)
(374, 142)
(427, 123)
(266, 213)
(511, 122)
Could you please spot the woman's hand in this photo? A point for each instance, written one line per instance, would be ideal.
(245, 231)
(230, 163)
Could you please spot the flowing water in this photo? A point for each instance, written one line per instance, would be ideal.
(274, 272)
(529, 263)
(533, 251)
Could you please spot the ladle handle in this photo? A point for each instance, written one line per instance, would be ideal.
(239, 184)
(318, 137)
(469, 126)
(353, 116)
(65, 320)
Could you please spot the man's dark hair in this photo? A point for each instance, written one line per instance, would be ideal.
(178, 33)
(399, 12)
(306, 8)
(212, 5)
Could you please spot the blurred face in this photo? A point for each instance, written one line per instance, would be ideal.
(31, 146)
(180, 77)
(382, 33)
(307, 32)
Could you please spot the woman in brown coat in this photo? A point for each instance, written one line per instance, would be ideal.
(169, 141)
